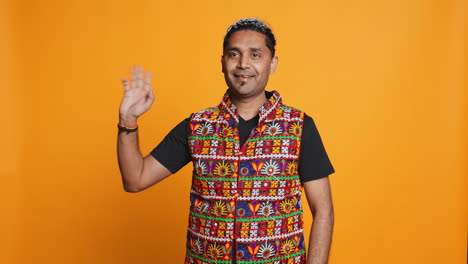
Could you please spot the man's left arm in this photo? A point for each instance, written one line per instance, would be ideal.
(320, 202)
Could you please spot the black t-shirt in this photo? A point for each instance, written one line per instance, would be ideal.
(173, 151)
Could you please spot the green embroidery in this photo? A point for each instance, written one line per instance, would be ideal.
(217, 178)
(212, 138)
(270, 260)
(268, 178)
(209, 217)
(216, 261)
(268, 218)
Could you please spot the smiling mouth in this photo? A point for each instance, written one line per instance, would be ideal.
(243, 76)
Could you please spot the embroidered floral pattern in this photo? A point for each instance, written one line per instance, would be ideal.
(274, 129)
(219, 209)
(226, 131)
(222, 169)
(244, 198)
(214, 251)
(271, 168)
(287, 247)
(287, 206)
(266, 209)
(197, 247)
(266, 251)
(295, 129)
(205, 129)
(292, 168)
(200, 167)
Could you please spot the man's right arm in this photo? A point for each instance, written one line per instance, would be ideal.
(138, 173)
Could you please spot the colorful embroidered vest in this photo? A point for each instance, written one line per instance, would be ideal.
(246, 200)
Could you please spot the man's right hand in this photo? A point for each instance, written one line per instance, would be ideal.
(138, 173)
(138, 97)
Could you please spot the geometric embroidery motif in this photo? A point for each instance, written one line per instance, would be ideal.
(246, 202)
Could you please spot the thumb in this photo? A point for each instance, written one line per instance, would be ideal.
(125, 84)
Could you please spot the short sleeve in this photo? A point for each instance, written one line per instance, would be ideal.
(314, 162)
(173, 152)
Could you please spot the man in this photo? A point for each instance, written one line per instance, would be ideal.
(252, 157)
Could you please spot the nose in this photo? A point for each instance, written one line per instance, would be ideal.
(243, 62)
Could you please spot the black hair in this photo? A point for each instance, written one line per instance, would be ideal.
(253, 24)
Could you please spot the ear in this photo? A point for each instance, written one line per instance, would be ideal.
(273, 64)
(222, 63)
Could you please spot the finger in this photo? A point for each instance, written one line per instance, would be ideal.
(139, 78)
(125, 84)
(149, 99)
(134, 77)
(151, 94)
(148, 80)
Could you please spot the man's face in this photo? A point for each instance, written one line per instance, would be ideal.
(247, 63)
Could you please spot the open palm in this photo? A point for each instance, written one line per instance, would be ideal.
(138, 95)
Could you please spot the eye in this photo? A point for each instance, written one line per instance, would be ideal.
(256, 55)
(233, 54)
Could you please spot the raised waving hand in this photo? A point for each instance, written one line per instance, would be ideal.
(138, 96)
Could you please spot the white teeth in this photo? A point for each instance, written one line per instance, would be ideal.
(244, 76)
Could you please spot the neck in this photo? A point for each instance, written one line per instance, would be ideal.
(250, 106)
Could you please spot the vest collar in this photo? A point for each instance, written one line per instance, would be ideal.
(265, 111)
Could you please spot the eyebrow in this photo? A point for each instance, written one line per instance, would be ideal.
(237, 49)
(255, 49)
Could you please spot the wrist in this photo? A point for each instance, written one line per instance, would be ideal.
(123, 128)
(128, 121)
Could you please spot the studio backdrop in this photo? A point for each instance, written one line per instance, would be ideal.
(383, 80)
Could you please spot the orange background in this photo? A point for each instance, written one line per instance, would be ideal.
(384, 81)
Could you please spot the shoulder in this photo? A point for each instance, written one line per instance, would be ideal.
(291, 112)
(308, 119)
(289, 108)
(309, 124)
(205, 113)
